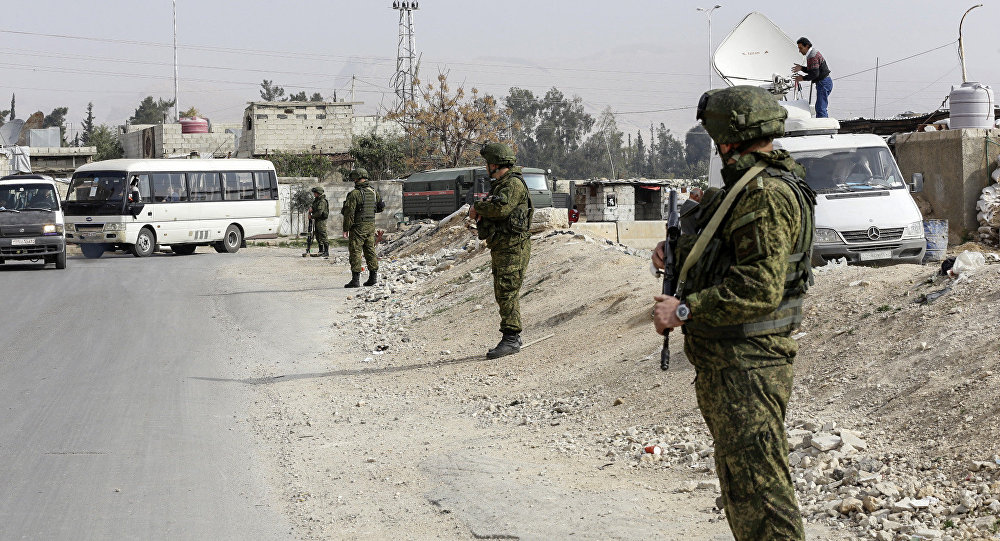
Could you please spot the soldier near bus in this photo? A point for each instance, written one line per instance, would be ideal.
(503, 221)
(359, 227)
(319, 212)
(739, 298)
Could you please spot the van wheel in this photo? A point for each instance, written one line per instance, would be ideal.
(183, 249)
(61, 259)
(145, 243)
(232, 241)
(92, 251)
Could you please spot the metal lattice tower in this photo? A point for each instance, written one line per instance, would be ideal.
(406, 56)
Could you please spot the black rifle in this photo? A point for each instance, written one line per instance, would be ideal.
(669, 274)
(309, 238)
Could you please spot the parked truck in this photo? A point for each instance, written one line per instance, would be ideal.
(439, 192)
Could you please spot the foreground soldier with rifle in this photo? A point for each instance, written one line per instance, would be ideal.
(740, 284)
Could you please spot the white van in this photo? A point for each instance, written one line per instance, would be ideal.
(864, 210)
(31, 220)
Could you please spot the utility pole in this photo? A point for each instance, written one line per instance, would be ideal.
(961, 45)
(352, 88)
(709, 12)
(405, 55)
(176, 115)
(875, 104)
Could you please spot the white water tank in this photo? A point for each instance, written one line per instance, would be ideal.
(971, 106)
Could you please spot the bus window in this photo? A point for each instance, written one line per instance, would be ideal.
(169, 187)
(239, 186)
(205, 187)
(267, 188)
(144, 188)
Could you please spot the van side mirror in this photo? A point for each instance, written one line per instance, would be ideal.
(134, 208)
(917, 184)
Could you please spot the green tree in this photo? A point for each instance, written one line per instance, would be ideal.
(191, 113)
(106, 140)
(383, 157)
(639, 158)
(298, 96)
(271, 92)
(316, 97)
(151, 111)
(301, 165)
(3, 117)
(697, 150)
(552, 129)
(667, 155)
(57, 118)
(88, 125)
(12, 117)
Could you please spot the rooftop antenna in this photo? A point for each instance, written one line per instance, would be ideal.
(405, 55)
(961, 45)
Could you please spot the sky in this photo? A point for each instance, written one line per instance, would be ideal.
(648, 61)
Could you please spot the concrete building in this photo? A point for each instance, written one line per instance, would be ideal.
(626, 200)
(296, 127)
(368, 124)
(956, 166)
(60, 161)
(166, 140)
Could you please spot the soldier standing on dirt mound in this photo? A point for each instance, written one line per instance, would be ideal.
(503, 220)
(319, 212)
(740, 292)
(359, 227)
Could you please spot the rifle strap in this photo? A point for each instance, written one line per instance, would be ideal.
(713, 225)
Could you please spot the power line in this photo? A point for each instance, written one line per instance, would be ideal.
(898, 61)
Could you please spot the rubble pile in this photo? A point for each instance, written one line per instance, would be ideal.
(989, 214)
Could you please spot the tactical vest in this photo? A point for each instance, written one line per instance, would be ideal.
(365, 212)
(716, 260)
(515, 224)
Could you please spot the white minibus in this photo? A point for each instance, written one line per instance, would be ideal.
(139, 205)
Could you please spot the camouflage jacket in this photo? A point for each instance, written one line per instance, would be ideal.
(359, 206)
(750, 270)
(506, 211)
(320, 208)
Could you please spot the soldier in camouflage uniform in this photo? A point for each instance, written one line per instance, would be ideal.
(740, 303)
(503, 220)
(359, 227)
(319, 211)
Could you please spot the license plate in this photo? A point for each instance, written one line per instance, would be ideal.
(88, 235)
(875, 255)
(22, 242)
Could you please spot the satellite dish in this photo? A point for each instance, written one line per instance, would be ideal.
(757, 53)
(10, 132)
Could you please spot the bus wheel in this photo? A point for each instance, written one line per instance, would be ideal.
(232, 241)
(92, 251)
(145, 243)
(183, 249)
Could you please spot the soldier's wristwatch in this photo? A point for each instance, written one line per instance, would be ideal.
(683, 312)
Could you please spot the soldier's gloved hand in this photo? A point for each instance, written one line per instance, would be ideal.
(346, 234)
(665, 313)
(658, 254)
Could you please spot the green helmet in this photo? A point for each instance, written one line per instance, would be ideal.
(498, 154)
(318, 189)
(358, 174)
(741, 113)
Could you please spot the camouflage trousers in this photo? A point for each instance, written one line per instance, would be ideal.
(319, 232)
(361, 241)
(509, 264)
(744, 408)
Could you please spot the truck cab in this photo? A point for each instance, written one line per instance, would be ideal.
(439, 192)
(31, 220)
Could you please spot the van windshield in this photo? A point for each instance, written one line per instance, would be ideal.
(97, 187)
(849, 169)
(535, 181)
(28, 197)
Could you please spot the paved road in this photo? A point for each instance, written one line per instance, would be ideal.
(114, 422)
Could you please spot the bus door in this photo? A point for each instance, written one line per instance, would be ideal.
(168, 216)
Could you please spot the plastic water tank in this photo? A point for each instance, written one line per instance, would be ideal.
(194, 125)
(971, 106)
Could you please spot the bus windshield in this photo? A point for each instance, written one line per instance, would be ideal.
(535, 181)
(27, 197)
(97, 187)
(849, 169)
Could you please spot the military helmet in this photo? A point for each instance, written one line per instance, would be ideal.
(358, 174)
(741, 113)
(498, 154)
(318, 189)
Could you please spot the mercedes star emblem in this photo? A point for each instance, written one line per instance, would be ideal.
(874, 233)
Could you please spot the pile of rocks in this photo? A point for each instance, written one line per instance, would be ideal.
(887, 497)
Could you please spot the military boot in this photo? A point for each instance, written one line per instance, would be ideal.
(326, 251)
(319, 250)
(355, 280)
(509, 344)
(372, 278)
